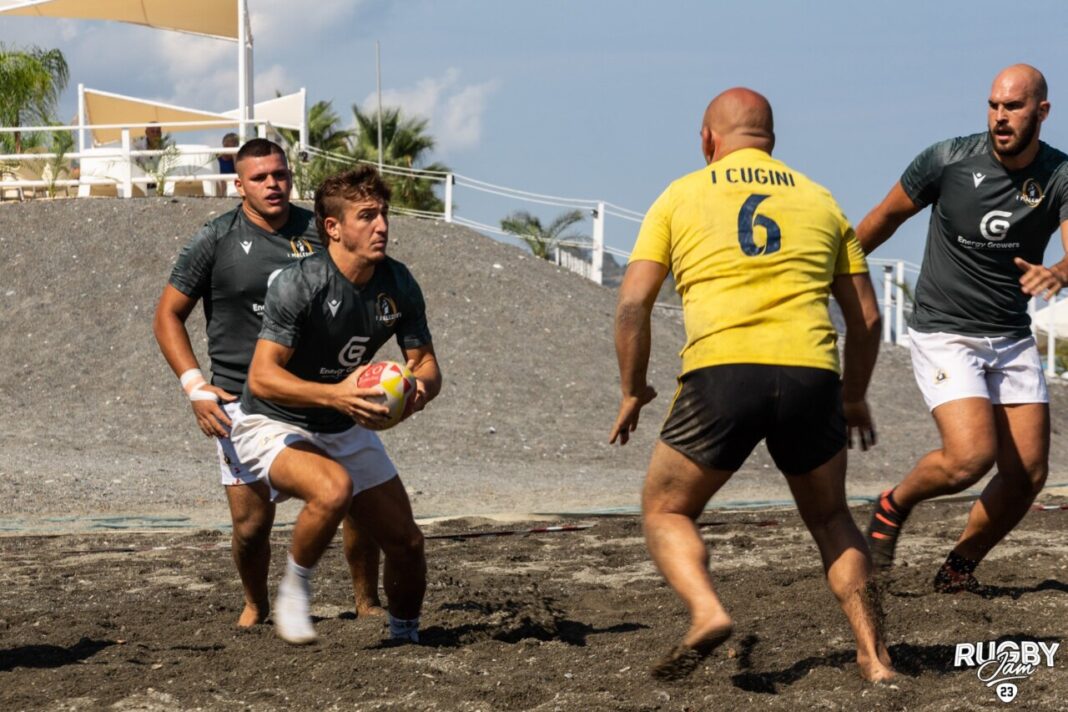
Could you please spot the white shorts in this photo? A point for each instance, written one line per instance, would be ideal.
(1002, 369)
(258, 440)
(231, 470)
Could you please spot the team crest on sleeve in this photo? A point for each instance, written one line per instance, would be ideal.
(300, 248)
(386, 309)
(1031, 193)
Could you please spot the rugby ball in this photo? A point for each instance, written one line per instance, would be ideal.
(397, 381)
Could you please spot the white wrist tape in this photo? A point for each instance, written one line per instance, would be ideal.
(193, 384)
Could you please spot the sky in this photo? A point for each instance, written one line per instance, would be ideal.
(602, 100)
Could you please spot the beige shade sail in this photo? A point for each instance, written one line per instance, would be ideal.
(107, 108)
(213, 18)
(103, 107)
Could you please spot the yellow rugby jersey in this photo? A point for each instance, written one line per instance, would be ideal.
(753, 246)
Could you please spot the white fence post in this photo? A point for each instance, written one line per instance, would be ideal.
(888, 286)
(81, 118)
(1031, 309)
(597, 266)
(448, 197)
(1051, 338)
(127, 167)
(899, 315)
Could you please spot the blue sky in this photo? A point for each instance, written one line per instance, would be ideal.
(602, 100)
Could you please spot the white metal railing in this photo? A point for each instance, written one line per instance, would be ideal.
(894, 298)
(116, 167)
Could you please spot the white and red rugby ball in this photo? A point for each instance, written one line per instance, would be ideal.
(397, 381)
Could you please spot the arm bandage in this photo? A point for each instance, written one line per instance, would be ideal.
(193, 384)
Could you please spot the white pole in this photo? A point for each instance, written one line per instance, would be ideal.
(448, 198)
(242, 70)
(597, 266)
(378, 74)
(127, 167)
(303, 119)
(1031, 309)
(899, 316)
(250, 67)
(1051, 337)
(888, 286)
(81, 118)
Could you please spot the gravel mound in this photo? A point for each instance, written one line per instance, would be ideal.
(93, 420)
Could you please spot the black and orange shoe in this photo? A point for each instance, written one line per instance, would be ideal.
(884, 529)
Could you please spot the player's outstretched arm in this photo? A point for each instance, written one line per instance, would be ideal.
(1038, 280)
(168, 325)
(885, 218)
(856, 297)
(268, 379)
(637, 294)
(423, 363)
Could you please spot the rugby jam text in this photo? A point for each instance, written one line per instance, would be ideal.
(997, 664)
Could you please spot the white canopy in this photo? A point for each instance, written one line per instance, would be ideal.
(224, 19)
(101, 107)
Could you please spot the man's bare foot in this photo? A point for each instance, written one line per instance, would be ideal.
(695, 647)
(370, 609)
(876, 670)
(253, 615)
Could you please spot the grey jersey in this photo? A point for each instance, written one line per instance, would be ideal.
(982, 217)
(333, 326)
(228, 265)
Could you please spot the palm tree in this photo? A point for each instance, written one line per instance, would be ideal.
(405, 143)
(542, 240)
(30, 84)
(324, 133)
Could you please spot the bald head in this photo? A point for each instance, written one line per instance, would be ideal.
(738, 118)
(1016, 109)
(1021, 79)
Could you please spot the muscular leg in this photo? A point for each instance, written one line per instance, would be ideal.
(821, 502)
(675, 493)
(969, 449)
(361, 553)
(1023, 463)
(252, 514)
(303, 471)
(386, 511)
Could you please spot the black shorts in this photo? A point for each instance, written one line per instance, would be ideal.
(720, 413)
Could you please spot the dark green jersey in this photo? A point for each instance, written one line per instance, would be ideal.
(982, 217)
(228, 265)
(333, 326)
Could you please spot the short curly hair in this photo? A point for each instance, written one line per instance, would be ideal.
(361, 183)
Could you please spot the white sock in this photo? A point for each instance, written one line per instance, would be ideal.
(404, 629)
(296, 575)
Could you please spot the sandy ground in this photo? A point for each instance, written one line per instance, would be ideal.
(554, 621)
(118, 592)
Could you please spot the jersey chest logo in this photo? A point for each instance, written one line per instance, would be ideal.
(386, 310)
(300, 248)
(1031, 193)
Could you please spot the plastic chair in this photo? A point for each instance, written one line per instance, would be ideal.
(102, 174)
(194, 160)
